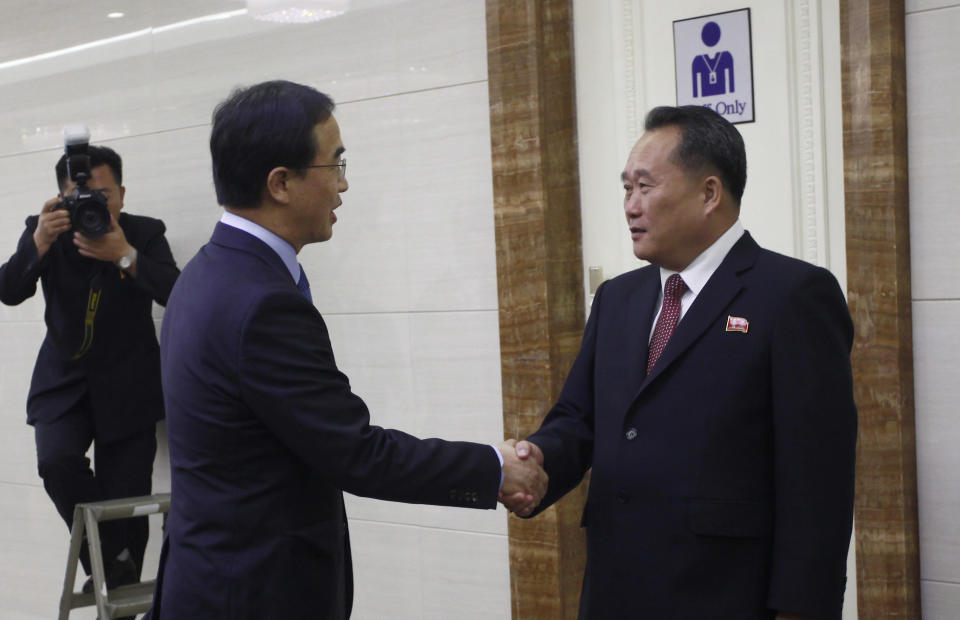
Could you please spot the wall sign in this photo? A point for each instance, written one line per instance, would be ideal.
(714, 63)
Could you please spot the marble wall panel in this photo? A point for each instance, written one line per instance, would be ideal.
(34, 541)
(457, 374)
(373, 350)
(940, 600)
(18, 456)
(933, 87)
(36, 107)
(415, 231)
(936, 337)
(915, 6)
(415, 573)
(167, 176)
(431, 375)
(932, 75)
(27, 181)
(465, 575)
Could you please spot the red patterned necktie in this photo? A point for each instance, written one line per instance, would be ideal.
(669, 316)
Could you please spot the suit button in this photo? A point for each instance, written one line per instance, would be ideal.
(631, 434)
(622, 497)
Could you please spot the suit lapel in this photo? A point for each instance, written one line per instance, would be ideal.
(641, 305)
(722, 287)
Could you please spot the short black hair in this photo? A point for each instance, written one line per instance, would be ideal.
(259, 128)
(707, 140)
(99, 156)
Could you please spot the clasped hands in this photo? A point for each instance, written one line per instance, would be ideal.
(524, 480)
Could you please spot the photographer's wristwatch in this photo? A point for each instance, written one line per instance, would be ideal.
(126, 260)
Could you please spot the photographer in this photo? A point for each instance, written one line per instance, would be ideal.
(97, 376)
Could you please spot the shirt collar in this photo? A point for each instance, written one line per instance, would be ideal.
(697, 273)
(283, 249)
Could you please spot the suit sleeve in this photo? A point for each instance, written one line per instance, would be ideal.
(815, 430)
(290, 380)
(566, 435)
(19, 275)
(156, 268)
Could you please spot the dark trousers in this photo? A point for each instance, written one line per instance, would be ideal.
(122, 468)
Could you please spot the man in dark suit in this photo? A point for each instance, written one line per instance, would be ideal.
(264, 430)
(714, 407)
(97, 376)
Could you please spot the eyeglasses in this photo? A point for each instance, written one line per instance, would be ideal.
(342, 164)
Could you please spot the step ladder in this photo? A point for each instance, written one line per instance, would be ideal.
(125, 600)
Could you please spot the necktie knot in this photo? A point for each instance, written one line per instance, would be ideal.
(673, 291)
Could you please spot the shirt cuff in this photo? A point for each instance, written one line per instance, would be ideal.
(499, 458)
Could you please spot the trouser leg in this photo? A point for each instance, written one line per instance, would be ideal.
(63, 466)
(124, 469)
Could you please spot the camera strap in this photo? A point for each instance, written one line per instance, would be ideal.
(93, 302)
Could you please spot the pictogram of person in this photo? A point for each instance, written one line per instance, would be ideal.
(712, 76)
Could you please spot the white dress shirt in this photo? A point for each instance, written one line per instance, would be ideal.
(698, 272)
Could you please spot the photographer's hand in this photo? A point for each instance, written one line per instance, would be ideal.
(52, 222)
(111, 247)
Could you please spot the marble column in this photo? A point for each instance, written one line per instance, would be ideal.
(878, 281)
(539, 269)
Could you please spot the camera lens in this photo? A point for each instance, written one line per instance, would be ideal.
(92, 218)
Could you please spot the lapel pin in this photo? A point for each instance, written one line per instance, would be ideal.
(737, 324)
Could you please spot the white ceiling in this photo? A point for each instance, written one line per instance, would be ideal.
(30, 28)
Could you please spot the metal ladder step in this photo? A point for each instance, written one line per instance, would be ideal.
(121, 601)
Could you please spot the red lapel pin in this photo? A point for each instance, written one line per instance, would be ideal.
(738, 324)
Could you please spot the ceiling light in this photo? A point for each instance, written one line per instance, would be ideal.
(115, 15)
(296, 11)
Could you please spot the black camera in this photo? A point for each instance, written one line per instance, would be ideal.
(87, 207)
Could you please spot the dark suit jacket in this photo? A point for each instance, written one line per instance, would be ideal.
(120, 373)
(722, 483)
(264, 433)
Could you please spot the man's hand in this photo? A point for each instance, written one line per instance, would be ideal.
(516, 497)
(52, 222)
(111, 247)
(526, 449)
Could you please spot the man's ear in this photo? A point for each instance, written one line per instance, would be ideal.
(276, 186)
(712, 193)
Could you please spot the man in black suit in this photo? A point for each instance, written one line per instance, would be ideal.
(97, 376)
(712, 398)
(265, 432)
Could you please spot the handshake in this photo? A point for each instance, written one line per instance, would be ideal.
(524, 480)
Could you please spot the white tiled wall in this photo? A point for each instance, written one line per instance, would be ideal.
(933, 87)
(407, 285)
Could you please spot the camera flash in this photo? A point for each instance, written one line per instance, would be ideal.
(75, 134)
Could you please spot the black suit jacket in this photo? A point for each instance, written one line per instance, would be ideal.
(722, 483)
(264, 433)
(120, 372)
